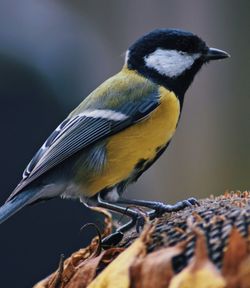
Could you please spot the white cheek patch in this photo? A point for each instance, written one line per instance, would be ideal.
(170, 63)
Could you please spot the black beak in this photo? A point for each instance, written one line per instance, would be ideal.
(215, 54)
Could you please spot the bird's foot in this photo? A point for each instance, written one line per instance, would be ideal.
(160, 208)
(138, 217)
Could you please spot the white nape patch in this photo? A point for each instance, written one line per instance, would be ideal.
(126, 57)
(170, 63)
(104, 114)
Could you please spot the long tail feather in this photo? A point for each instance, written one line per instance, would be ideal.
(14, 205)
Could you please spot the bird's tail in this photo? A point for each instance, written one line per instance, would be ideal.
(12, 206)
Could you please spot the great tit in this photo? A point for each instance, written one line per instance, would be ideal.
(119, 130)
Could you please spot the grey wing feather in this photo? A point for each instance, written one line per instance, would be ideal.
(77, 133)
(82, 133)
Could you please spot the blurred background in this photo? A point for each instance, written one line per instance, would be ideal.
(53, 53)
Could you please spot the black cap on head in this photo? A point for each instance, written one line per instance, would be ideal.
(169, 39)
(171, 57)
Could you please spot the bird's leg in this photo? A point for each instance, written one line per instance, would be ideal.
(159, 208)
(137, 219)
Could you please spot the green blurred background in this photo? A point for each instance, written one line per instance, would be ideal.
(53, 53)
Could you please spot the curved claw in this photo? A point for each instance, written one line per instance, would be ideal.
(112, 240)
(140, 223)
(185, 203)
(193, 201)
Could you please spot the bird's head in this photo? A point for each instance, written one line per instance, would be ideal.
(171, 57)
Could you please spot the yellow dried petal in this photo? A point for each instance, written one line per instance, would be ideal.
(201, 272)
(116, 274)
(206, 277)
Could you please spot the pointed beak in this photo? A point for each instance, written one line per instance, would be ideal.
(215, 54)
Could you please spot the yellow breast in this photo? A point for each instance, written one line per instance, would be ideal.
(138, 142)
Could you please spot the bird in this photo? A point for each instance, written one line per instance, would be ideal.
(119, 130)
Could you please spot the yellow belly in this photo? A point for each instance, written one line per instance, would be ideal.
(138, 142)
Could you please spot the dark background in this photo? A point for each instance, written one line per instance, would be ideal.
(53, 53)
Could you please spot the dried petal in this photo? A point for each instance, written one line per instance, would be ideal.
(244, 274)
(201, 272)
(116, 274)
(84, 273)
(87, 270)
(206, 277)
(155, 270)
(79, 257)
(236, 253)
